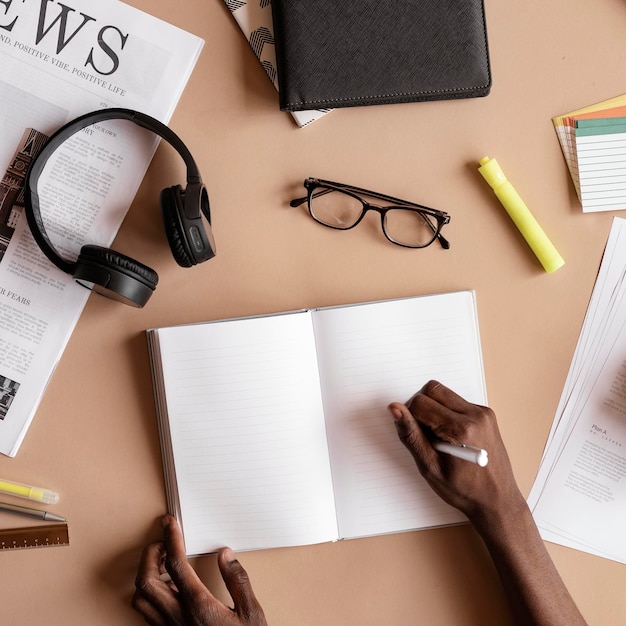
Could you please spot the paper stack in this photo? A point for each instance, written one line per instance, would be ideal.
(255, 21)
(593, 140)
(579, 496)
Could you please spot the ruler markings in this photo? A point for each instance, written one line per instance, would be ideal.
(34, 537)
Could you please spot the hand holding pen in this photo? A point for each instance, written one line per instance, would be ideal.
(488, 495)
(169, 592)
(444, 433)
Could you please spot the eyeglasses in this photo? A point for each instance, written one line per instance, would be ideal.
(342, 207)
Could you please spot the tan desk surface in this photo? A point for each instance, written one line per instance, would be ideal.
(94, 438)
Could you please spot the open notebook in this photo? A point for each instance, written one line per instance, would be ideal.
(275, 430)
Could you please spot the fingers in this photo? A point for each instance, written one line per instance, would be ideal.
(444, 396)
(149, 612)
(151, 562)
(178, 567)
(153, 598)
(442, 421)
(438, 413)
(239, 586)
(445, 413)
(412, 435)
(180, 597)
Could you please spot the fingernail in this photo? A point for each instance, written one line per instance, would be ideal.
(229, 555)
(166, 520)
(396, 412)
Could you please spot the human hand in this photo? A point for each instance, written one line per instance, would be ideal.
(184, 600)
(437, 413)
(489, 496)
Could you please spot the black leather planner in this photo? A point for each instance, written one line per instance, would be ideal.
(334, 53)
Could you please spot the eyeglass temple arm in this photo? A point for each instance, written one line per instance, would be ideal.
(375, 194)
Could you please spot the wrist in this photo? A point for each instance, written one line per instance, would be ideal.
(501, 515)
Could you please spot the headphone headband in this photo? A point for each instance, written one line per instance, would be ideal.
(31, 196)
(182, 212)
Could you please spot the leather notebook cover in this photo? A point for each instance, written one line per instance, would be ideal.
(337, 54)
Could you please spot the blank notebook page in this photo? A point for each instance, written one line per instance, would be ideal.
(247, 432)
(370, 356)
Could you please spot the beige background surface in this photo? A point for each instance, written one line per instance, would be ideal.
(94, 438)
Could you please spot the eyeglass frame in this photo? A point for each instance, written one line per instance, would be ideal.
(441, 217)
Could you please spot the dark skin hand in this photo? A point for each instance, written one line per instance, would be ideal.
(169, 592)
(437, 413)
(489, 497)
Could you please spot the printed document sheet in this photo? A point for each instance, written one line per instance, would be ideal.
(579, 495)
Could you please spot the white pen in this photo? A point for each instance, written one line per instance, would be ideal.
(461, 451)
(28, 512)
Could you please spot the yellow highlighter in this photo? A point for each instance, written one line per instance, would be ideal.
(39, 494)
(520, 214)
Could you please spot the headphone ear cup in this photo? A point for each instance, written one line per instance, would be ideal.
(115, 275)
(117, 260)
(171, 207)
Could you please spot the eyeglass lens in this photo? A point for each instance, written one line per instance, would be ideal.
(409, 228)
(336, 209)
(403, 226)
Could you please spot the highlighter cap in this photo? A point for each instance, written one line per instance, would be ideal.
(491, 172)
(44, 495)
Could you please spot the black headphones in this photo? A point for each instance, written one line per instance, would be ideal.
(108, 272)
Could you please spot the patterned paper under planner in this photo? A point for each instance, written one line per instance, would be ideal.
(601, 153)
(255, 20)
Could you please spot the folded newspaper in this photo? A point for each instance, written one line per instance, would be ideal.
(59, 61)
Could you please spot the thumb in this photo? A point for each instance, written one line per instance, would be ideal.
(183, 575)
(239, 586)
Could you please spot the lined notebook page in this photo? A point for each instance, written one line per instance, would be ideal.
(601, 149)
(247, 433)
(371, 355)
